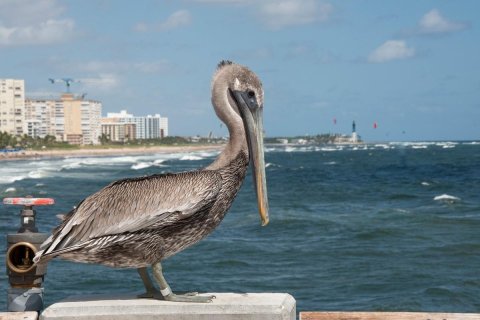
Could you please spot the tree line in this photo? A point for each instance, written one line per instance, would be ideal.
(11, 141)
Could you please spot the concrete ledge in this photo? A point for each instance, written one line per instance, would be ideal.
(229, 306)
(27, 315)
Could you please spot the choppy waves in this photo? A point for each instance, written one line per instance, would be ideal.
(13, 171)
(367, 146)
(376, 226)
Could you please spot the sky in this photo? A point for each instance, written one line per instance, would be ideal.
(412, 67)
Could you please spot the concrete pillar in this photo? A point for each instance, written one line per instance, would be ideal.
(226, 306)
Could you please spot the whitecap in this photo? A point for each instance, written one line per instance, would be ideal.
(328, 149)
(141, 165)
(11, 179)
(446, 198)
(190, 158)
(209, 154)
(424, 183)
(330, 163)
(11, 189)
(73, 165)
(36, 174)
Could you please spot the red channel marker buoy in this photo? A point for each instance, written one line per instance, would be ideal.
(29, 201)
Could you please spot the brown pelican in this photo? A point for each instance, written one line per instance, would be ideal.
(136, 223)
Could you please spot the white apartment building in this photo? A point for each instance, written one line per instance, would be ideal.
(91, 126)
(149, 127)
(12, 105)
(40, 118)
(69, 119)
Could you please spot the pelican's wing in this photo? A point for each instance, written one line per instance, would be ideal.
(133, 204)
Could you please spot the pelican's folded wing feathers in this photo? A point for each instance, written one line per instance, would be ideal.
(130, 205)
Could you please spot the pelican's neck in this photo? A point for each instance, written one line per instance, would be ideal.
(237, 141)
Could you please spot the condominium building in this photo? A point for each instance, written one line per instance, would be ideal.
(12, 105)
(149, 127)
(119, 132)
(69, 119)
(40, 118)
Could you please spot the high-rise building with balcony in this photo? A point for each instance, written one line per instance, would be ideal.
(70, 118)
(12, 106)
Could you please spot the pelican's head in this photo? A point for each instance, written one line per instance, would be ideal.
(242, 92)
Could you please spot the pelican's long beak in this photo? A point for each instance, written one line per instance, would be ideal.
(252, 115)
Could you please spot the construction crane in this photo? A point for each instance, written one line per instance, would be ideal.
(67, 81)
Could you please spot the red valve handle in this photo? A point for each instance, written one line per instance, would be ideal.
(29, 201)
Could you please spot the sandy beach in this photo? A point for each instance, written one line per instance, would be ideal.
(88, 152)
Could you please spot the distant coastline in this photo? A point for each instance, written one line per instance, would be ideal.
(88, 152)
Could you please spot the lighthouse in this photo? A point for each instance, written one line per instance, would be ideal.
(354, 132)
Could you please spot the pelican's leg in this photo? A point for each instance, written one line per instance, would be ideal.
(152, 292)
(167, 292)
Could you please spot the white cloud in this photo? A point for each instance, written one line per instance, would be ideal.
(96, 66)
(434, 23)
(105, 75)
(103, 82)
(279, 14)
(176, 20)
(141, 27)
(285, 13)
(50, 31)
(33, 22)
(28, 12)
(391, 50)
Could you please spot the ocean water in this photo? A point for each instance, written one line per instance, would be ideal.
(392, 226)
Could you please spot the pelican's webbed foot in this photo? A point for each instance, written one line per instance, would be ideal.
(167, 293)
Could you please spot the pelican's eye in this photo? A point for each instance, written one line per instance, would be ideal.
(251, 94)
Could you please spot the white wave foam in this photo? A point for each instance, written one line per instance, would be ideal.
(190, 158)
(330, 163)
(11, 189)
(446, 197)
(141, 165)
(73, 165)
(11, 179)
(209, 154)
(36, 174)
(424, 183)
(329, 149)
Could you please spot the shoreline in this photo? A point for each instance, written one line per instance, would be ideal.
(90, 152)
